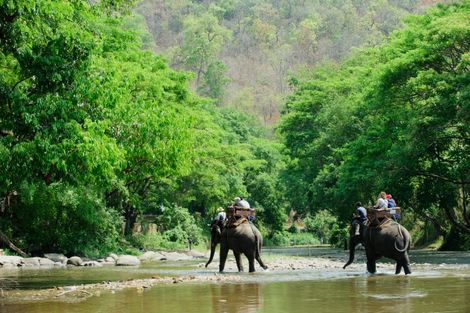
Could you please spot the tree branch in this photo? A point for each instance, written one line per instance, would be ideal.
(453, 219)
(10, 245)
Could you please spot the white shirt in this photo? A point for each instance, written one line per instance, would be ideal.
(243, 204)
(382, 203)
(221, 216)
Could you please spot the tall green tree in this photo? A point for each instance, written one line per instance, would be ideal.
(393, 118)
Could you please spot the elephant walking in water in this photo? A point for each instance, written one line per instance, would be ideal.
(242, 239)
(389, 239)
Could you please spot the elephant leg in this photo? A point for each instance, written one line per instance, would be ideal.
(251, 261)
(406, 267)
(371, 267)
(398, 267)
(239, 261)
(223, 256)
(406, 264)
(371, 262)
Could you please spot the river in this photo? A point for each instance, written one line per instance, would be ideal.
(440, 282)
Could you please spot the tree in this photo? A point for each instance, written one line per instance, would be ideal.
(203, 39)
(390, 118)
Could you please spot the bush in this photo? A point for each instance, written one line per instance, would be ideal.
(293, 229)
(179, 226)
(67, 219)
(278, 239)
(303, 238)
(323, 224)
(146, 241)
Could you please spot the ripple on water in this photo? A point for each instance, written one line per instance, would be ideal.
(413, 294)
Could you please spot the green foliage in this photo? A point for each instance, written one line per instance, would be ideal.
(94, 127)
(89, 124)
(278, 239)
(303, 239)
(214, 81)
(323, 224)
(292, 239)
(391, 118)
(179, 226)
(70, 220)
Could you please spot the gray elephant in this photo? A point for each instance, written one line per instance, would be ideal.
(389, 239)
(242, 239)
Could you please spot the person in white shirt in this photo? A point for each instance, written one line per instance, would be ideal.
(382, 202)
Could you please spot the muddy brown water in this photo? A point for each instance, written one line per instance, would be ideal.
(440, 283)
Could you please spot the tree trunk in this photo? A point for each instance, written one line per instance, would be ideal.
(455, 221)
(10, 245)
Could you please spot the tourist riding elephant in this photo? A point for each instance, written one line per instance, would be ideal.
(389, 239)
(244, 238)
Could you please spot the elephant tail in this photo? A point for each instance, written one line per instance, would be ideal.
(405, 240)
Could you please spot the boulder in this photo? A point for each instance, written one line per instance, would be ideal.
(9, 259)
(176, 256)
(147, 256)
(45, 262)
(31, 262)
(158, 256)
(114, 256)
(92, 264)
(110, 260)
(75, 260)
(56, 257)
(127, 260)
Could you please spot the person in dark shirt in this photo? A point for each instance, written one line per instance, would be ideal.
(392, 204)
(360, 218)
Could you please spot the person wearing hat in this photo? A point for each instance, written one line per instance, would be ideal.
(219, 218)
(391, 201)
(241, 203)
(392, 204)
(221, 215)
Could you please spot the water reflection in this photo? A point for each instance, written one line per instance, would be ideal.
(433, 287)
(237, 298)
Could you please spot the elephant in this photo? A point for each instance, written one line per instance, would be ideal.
(242, 239)
(388, 239)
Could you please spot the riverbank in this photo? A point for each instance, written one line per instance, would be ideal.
(316, 263)
(73, 293)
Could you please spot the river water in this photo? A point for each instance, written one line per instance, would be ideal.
(440, 283)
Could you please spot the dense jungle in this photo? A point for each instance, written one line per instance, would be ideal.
(118, 115)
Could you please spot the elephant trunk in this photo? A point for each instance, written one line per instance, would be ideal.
(215, 239)
(213, 245)
(352, 248)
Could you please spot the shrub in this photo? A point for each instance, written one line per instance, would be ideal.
(323, 224)
(179, 226)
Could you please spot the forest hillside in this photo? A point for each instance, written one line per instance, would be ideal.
(243, 51)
